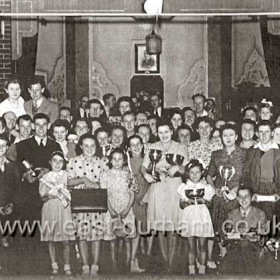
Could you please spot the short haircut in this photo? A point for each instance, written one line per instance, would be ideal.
(125, 99)
(155, 94)
(65, 108)
(101, 129)
(41, 116)
(9, 112)
(107, 96)
(25, 117)
(187, 109)
(205, 119)
(79, 120)
(95, 101)
(143, 125)
(252, 108)
(127, 114)
(245, 187)
(265, 123)
(12, 81)
(199, 95)
(36, 80)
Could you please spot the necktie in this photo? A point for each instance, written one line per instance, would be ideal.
(41, 143)
(243, 215)
(35, 104)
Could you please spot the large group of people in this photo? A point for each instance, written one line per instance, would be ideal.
(178, 174)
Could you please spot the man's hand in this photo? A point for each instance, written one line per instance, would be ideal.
(29, 177)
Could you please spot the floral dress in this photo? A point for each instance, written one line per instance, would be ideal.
(202, 151)
(89, 226)
(116, 182)
(54, 214)
(221, 159)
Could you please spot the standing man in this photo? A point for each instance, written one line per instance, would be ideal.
(37, 150)
(109, 100)
(198, 105)
(39, 103)
(82, 112)
(156, 105)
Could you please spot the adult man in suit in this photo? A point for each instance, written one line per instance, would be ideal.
(243, 255)
(82, 113)
(39, 103)
(36, 150)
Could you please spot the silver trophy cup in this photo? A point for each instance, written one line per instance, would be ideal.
(155, 156)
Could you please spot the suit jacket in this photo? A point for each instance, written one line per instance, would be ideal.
(47, 107)
(253, 218)
(252, 168)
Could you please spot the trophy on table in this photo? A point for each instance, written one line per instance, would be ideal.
(155, 156)
(175, 159)
(227, 174)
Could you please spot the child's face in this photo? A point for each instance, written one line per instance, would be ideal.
(3, 148)
(117, 161)
(88, 147)
(265, 113)
(56, 163)
(59, 133)
(136, 146)
(195, 174)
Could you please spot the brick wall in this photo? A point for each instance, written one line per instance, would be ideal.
(5, 47)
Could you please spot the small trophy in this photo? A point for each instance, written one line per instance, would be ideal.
(227, 174)
(28, 167)
(194, 194)
(155, 156)
(175, 159)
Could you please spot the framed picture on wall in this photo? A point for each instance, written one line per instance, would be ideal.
(144, 62)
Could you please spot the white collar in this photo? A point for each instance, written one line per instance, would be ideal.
(38, 140)
(2, 167)
(245, 212)
(273, 145)
(39, 101)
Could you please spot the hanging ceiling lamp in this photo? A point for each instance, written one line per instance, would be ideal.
(153, 43)
(153, 40)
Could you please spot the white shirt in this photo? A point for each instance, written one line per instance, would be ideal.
(63, 146)
(158, 111)
(38, 102)
(38, 140)
(244, 214)
(6, 106)
(273, 145)
(83, 112)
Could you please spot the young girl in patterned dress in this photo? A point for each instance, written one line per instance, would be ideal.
(120, 201)
(56, 211)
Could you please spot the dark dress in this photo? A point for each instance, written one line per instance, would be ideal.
(139, 210)
(220, 158)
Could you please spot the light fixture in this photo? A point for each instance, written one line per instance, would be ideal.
(153, 43)
(2, 26)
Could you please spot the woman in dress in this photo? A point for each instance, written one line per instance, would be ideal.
(84, 173)
(231, 157)
(163, 213)
(14, 102)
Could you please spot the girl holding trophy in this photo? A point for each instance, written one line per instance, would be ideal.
(196, 221)
(56, 212)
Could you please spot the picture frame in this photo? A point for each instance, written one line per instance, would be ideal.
(145, 63)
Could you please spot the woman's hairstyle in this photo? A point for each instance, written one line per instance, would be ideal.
(203, 119)
(12, 81)
(229, 126)
(187, 109)
(164, 122)
(265, 104)
(247, 108)
(248, 121)
(182, 127)
(177, 111)
(59, 153)
(141, 141)
(193, 163)
(117, 151)
(79, 151)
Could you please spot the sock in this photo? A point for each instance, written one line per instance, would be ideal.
(191, 269)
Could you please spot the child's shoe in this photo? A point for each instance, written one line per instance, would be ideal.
(94, 270)
(201, 270)
(85, 270)
(54, 268)
(67, 270)
(134, 267)
(191, 270)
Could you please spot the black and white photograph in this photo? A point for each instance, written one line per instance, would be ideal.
(139, 139)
